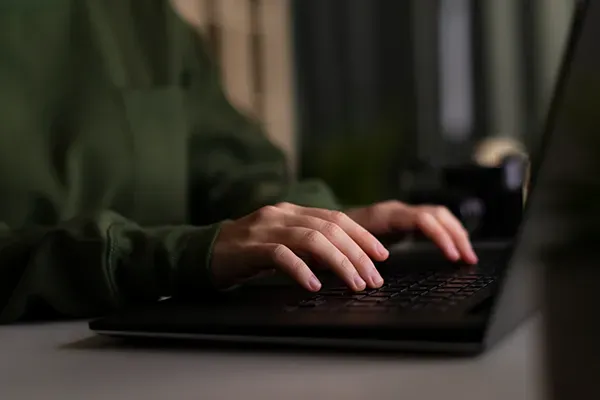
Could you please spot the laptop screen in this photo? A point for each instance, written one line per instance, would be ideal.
(561, 232)
(555, 257)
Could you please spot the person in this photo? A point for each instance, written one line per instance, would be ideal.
(126, 175)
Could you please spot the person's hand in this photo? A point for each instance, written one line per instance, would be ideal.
(436, 222)
(283, 236)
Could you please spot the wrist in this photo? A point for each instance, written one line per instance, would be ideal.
(194, 275)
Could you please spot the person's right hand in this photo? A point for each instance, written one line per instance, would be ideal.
(279, 237)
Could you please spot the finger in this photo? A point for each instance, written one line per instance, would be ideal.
(433, 229)
(314, 243)
(396, 216)
(285, 260)
(458, 233)
(369, 243)
(340, 239)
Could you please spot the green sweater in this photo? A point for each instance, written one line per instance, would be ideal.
(119, 157)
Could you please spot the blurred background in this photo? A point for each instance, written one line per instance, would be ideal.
(358, 91)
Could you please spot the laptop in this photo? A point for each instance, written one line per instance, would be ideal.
(427, 303)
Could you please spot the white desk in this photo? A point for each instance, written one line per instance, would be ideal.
(66, 361)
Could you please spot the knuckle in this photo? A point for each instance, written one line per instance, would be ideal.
(331, 229)
(268, 212)
(363, 259)
(249, 231)
(284, 205)
(391, 206)
(393, 203)
(337, 217)
(312, 237)
(462, 230)
(423, 217)
(441, 211)
(297, 267)
(346, 265)
(278, 253)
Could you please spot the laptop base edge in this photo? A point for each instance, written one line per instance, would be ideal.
(454, 348)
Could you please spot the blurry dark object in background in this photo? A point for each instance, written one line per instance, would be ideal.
(499, 188)
(488, 200)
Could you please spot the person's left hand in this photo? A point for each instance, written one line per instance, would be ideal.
(436, 222)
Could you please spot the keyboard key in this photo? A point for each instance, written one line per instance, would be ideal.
(415, 292)
(456, 286)
(446, 289)
(426, 290)
(439, 295)
(380, 295)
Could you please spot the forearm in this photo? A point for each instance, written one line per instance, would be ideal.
(89, 266)
(243, 191)
(312, 193)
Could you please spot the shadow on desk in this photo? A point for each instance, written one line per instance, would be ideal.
(111, 344)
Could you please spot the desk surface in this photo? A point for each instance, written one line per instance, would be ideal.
(66, 361)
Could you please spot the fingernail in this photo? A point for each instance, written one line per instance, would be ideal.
(360, 284)
(314, 283)
(377, 279)
(382, 250)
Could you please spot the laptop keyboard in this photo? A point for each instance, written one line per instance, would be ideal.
(430, 290)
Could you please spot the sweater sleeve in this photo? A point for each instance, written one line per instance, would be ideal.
(91, 265)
